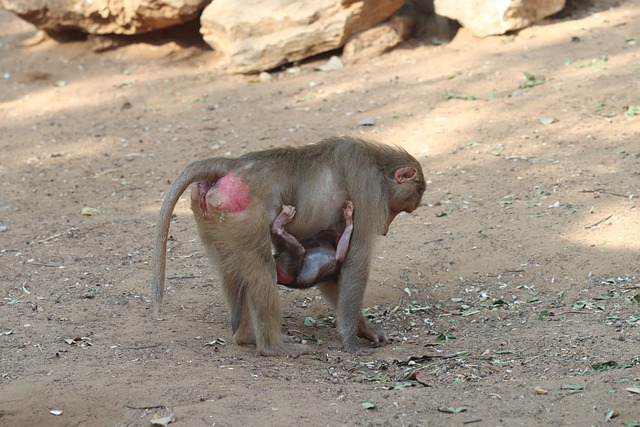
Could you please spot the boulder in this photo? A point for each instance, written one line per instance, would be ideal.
(257, 35)
(489, 17)
(104, 16)
(377, 40)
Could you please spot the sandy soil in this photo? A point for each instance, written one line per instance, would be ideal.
(511, 297)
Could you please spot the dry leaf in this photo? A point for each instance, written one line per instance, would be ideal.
(540, 390)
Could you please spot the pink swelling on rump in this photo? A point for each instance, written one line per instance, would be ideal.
(234, 192)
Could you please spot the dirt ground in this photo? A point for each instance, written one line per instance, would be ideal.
(512, 297)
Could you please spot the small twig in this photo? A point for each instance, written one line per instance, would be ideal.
(42, 264)
(140, 348)
(49, 238)
(98, 174)
(452, 355)
(426, 357)
(146, 407)
(608, 192)
(518, 157)
(530, 359)
(87, 169)
(574, 312)
(433, 241)
(104, 172)
(183, 277)
(506, 271)
(599, 222)
(472, 421)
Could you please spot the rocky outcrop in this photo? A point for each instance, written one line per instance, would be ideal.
(104, 16)
(258, 35)
(489, 17)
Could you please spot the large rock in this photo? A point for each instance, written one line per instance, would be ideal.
(488, 17)
(104, 16)
(258, 35)
(377, 40)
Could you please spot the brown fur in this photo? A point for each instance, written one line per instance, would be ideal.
(317, 179)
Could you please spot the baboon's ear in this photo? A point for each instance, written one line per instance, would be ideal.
(406, 173)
